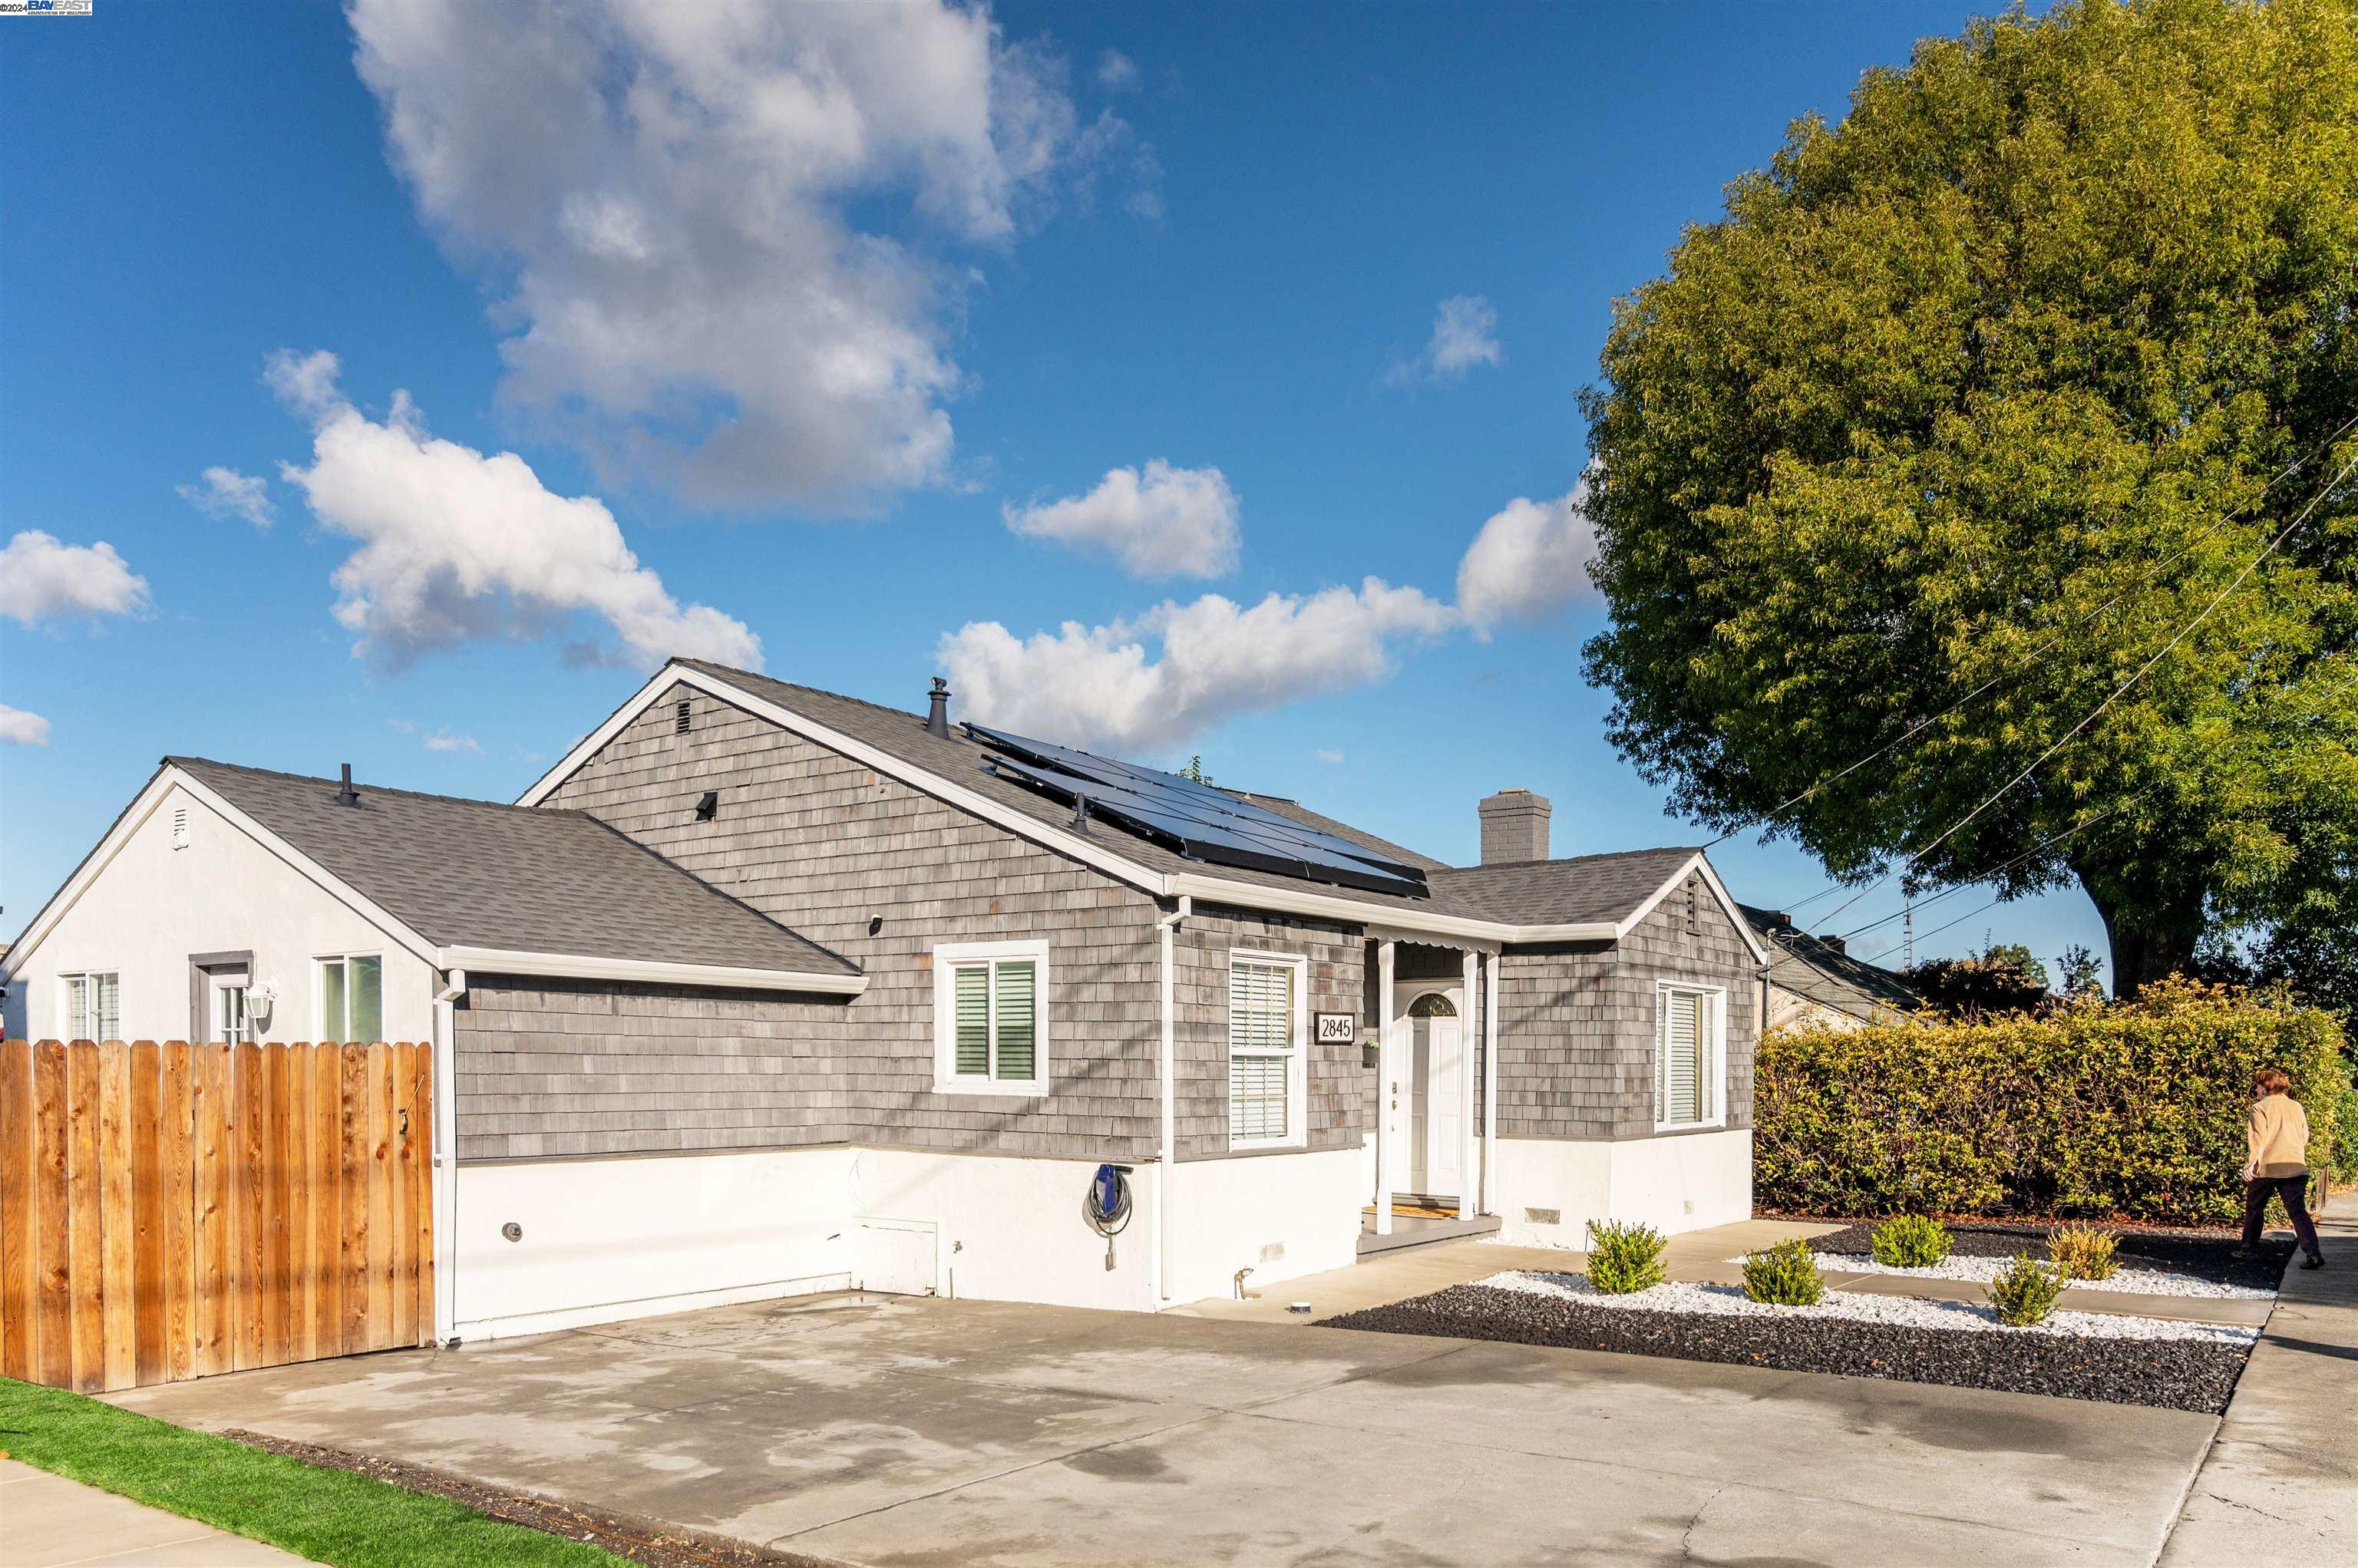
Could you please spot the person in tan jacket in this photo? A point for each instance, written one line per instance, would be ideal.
(2275, 1164)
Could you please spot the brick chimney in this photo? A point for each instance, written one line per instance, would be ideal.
(1514, 826)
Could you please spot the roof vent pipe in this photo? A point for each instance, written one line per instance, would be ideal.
(937, 715)
(348, 795)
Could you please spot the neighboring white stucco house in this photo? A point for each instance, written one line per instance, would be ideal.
(763, 989)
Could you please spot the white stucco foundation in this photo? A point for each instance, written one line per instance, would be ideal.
(1282, 1216)
(1685, 1181)
(1012, 1229)
(606, 1239)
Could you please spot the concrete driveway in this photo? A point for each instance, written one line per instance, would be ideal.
(891, 1430)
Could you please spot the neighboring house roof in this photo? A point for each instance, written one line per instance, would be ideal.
(1821, 972)
(1568, 891)
(898, 743)
(476, 873)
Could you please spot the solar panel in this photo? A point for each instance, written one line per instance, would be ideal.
(1195, 819)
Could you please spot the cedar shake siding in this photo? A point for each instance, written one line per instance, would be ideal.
(553, 1066)
(825, 846)
(1576, 1023)
(1337, 1105)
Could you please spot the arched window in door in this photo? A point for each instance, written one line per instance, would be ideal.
(1432, 1004)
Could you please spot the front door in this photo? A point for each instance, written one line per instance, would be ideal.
(1436, 1098)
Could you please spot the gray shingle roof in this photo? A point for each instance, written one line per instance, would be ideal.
(1572, 892)
(1597, 887)
(1811, 967)
(479, 874)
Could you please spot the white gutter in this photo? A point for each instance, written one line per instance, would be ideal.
(570, 965)
(1165, 1248)
(446, 1156)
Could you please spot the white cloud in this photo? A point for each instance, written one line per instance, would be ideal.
(666, 192)
(1165, 522)
(229, 495)
(1117, 72)
(1097, 686)
(439, 739)
(1465, 334)
(1529, 560)
(305, 382)
(456, 546)
(1327, 756)
(41, 577)
(19, 728)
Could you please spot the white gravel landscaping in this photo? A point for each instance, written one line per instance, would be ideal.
(1729, 1301)
(1980, 1270)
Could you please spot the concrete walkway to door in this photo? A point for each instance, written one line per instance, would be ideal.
(913, 1432)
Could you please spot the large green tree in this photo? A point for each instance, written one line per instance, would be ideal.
(1970, 405)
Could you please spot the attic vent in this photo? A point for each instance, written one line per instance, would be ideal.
(1695, 907)
(180, 827)
(683, 717)
(708, 806)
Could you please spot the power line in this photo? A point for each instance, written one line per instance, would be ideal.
(2036, 849)
(2151, 572)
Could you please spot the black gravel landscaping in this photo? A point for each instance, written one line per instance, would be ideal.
(2193, 1253)
(2188, 1374)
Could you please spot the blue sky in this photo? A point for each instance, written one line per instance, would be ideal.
(825, 355)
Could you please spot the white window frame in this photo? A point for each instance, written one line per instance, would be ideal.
(1297, 1078)
(948, 958)
(319, 1030)
(65, 1030)
(1713, 1013)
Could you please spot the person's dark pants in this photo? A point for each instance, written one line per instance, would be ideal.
(2294, 1190)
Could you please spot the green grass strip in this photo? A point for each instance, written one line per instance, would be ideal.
(329, 1515)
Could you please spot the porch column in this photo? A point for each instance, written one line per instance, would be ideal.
(1490, 1088)
(1387, 1086)
(1468, 1200)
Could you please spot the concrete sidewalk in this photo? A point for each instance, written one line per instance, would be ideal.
(48, 1521)
(2280, 1486)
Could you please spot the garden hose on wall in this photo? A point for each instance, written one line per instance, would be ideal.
(1108, 1206)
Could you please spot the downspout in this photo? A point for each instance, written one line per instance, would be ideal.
(1491, 1084)
(1165, 1246)
(446, 1157)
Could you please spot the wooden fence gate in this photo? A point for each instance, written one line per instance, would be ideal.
(171, 1211)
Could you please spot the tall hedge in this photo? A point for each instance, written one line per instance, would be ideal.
(2131, 1110)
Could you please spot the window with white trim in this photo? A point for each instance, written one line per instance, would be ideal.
(1267, 1022)
(91, 1005)
(990, 1018)
(1690, 1026)
(351, 992)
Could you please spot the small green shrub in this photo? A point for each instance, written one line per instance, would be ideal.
(1785, 1275)
(1624, 1256)
(2024, 1291)
(1911, 1242)
(2081, 1251)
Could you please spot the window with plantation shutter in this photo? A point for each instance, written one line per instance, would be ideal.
(1687, 1024)
(1265, 1049)
(990, 1018)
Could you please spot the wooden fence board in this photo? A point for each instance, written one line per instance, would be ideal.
(380, 1196)
(85, 1191)
(118, 1307)
(250, 1243)
(327, 1200)
(215, 1194)
(428, 1327)
(52, 1221)
(19, 1254)
(175, 1121)
(354, 1192)
(404, 1193)
(277, 1207)
(148, 1214)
